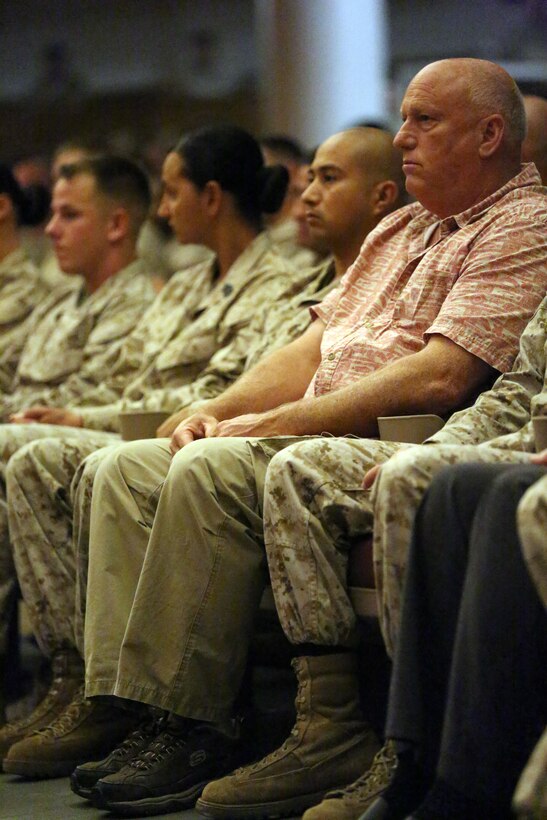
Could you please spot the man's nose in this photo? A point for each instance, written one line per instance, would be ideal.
(404, 138)
(311, 193)
(51, 226)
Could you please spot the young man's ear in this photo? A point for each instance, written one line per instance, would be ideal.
(384, 197)
(118, 225)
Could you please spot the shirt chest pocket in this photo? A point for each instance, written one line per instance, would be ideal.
(419, 302)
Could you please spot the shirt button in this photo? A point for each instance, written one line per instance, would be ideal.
(331, 356)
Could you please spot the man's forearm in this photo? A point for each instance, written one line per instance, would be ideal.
(281, 377)
(436, 380)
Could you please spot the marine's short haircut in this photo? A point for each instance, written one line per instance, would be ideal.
(119, 179)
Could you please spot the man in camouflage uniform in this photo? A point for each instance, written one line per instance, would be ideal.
(73, 332)
(41, 521)
(194, 545)
(98, 208)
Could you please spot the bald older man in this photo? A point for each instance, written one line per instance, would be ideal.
(429, 313)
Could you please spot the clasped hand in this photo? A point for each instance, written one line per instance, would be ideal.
(200, 425)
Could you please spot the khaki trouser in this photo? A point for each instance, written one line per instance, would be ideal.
(177, 564)
(38, 482)
(176, 572)
(397, 494)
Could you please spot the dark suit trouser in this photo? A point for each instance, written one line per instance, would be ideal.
(469, 678)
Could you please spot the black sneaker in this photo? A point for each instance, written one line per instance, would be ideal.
(85, 777)
(170, 774)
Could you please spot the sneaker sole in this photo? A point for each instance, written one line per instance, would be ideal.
(260, 811)
(87, 791)
(155, 805)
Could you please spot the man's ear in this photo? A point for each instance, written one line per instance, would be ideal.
(118, 225)
(492, 131)
(212, 196)
(384, 197)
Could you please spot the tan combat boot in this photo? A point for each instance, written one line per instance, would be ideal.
(67, 677)
(329, 744)
(88, 729)
(352, 801)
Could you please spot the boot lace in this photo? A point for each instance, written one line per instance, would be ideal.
(294, 736)
(68, 719)
(41, 709)
(160, 748)
(135, 739)
(374, 780)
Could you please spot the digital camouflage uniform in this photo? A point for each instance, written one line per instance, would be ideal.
(172, 349)
(72, 338)
(273, 326)
(188, 529)
(71, 342)
(20, 292)
(284, 237)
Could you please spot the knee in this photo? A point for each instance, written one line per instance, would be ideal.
(125, 460)
(533, 502)
(209, 454)
(409, 468)
(516, 479)
(20, 464)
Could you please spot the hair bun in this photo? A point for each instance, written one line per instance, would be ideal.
(272, 182)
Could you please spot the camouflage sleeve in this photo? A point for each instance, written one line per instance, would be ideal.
(505, 409)
(228, 363)
(20, 292)
(104, 417)
(118, 318)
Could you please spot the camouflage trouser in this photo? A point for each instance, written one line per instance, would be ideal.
(396, 496)
(38, 480)
(314, 509)
(532, 529)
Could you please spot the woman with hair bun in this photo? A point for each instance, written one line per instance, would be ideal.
(216, 190)
(20, 285)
